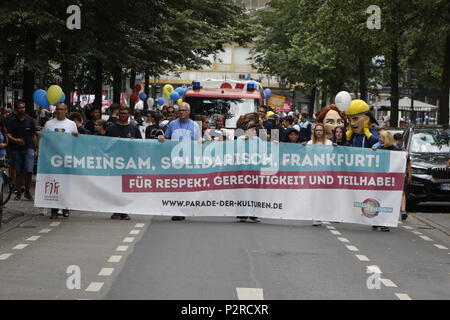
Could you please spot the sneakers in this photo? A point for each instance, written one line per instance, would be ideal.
(28, 196)
(115, 216)
(178, 218)
(404, 215)
(254, 219)
(124, 216)
(384, 229)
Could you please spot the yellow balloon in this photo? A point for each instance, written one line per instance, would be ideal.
(168, 90)
(179, 101)
(54, 94)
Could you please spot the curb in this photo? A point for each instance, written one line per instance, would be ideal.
(433, 224)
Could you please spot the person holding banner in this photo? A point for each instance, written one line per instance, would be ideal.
(123, 129)
(63, 125)
(331, 117)
(319, 137)
(182, 128)
(361, 120)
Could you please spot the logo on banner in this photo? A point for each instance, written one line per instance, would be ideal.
(370, 208)
(51, 190)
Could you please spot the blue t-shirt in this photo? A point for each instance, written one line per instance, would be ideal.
(2, 140)
(178, 130)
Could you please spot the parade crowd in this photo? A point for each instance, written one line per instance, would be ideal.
(19, 145)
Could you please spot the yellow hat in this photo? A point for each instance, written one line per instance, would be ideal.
(356, 107)
(270, 114)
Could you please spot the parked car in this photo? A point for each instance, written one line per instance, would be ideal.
(429, 149)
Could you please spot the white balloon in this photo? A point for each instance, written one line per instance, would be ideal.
(150, 102)
(343, 100)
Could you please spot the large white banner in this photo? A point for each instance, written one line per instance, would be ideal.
(232, 178)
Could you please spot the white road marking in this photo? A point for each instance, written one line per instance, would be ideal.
(362, 257)
(115, 259)
(344, 240)
(337, 233)
(330, 228)
(139, 225)
(45, 230)
(33, 238)
(417, 232)
(325, 222)
(122, 248)
(250, 293)
(388, 283)
(352, 248)
(20, 246)
(55, 224)
(440, 246)
(135, 231)
(106, 272)
(426, 238)
(403, 296)
(95, 286)
(130, 239)
(373, 269)
(407, 227)
(5, 256)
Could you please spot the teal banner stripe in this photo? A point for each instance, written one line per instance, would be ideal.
(61, 153)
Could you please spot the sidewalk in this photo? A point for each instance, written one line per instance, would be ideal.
(440, 221)
(16, 212)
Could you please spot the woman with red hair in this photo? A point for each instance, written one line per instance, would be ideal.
(331, 117)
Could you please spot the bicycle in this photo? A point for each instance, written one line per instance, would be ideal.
(7, 188)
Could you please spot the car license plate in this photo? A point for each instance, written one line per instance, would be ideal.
(445, 186)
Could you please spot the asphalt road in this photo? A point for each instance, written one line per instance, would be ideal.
(219, 258)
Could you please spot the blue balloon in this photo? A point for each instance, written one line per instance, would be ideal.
(174, 96)
(160, 101)
(267, 93)
(180, 91)
(40, 98)
(142, 96)
(63, 98)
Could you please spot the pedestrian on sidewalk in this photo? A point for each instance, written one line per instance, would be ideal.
(123, 129)
(3, 142)
(62, 125)
(22, 136)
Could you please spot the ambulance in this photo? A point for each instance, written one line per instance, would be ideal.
(227, 97)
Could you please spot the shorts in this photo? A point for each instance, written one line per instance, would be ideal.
(23, 160)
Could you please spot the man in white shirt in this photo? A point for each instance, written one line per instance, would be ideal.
(61, 124)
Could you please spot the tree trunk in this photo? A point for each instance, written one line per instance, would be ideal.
(443, 118)
(147, 87)
(98, 84)
(362, 80)
(67, 81)
(312, 101)
(117, 84)
(28, 73)
(324, 99)
(132, 82)
(394, 86)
